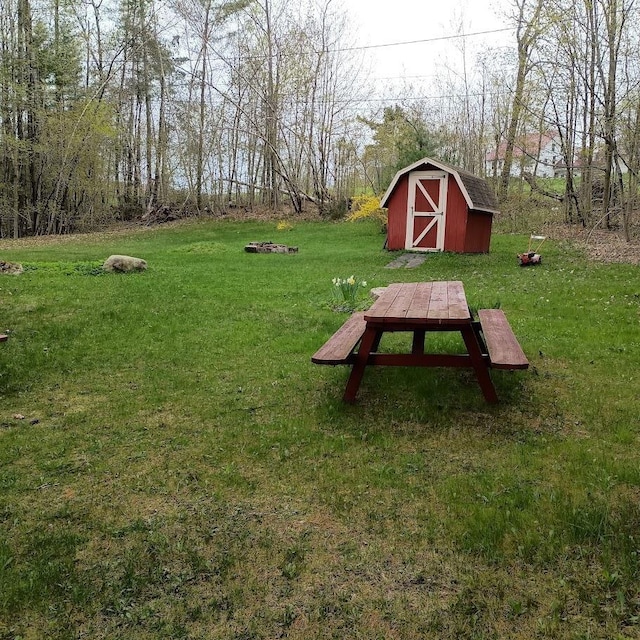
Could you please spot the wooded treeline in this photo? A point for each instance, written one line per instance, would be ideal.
(115, 109)
(577, 77)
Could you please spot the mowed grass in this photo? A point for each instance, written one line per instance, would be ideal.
(173, 466)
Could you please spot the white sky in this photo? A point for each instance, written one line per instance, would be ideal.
(377, 22)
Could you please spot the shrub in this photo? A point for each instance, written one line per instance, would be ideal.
(364, 207)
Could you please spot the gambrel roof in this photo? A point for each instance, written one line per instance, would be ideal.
(476, 191)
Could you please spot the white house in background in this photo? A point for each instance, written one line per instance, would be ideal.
(533, 153)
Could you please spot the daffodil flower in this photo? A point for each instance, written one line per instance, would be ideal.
(346, 292)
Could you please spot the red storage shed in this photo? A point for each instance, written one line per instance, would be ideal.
(435, 207)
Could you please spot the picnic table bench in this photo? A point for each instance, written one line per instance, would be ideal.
(502, 346)
(339, 348)
(420, 308)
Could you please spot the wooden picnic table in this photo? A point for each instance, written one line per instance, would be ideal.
(421, 308)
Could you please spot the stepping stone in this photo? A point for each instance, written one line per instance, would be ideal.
(415, 260)
(398, 263)
(407, 261)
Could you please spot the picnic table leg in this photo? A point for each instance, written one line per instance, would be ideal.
(479, 364)
(370, 340)
(418, 342)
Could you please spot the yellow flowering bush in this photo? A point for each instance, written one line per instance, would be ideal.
(367, 207)
(283, 225)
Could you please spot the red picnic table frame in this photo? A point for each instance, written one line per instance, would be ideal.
(420, 308)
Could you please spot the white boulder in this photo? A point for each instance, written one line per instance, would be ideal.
(124, 264)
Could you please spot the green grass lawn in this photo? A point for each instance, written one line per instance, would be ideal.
(172, 465)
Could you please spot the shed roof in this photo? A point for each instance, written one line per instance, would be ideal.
(476, 191)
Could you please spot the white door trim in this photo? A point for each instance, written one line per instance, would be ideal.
(438, 214)
(428, 228)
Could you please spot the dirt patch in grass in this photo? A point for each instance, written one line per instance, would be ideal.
(600, 245)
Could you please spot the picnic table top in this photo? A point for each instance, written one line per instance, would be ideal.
(421, 303)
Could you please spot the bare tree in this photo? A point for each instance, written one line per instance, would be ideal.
(529, 14)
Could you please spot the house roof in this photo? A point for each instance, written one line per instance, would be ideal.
(530, 144)
(476, 191)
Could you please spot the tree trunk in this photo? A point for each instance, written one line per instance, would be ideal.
(526, 33)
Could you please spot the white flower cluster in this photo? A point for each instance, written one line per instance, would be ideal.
(345, 292)
(351, 281)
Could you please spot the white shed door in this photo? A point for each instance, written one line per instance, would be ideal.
(426, 207)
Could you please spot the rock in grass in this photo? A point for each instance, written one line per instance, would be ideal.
(124, 264)
(376, 292)
(11, 268)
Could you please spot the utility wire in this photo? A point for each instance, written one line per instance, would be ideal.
(425, 40)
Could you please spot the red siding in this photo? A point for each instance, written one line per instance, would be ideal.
(456, 217)
(397, 215)
(478, 236)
